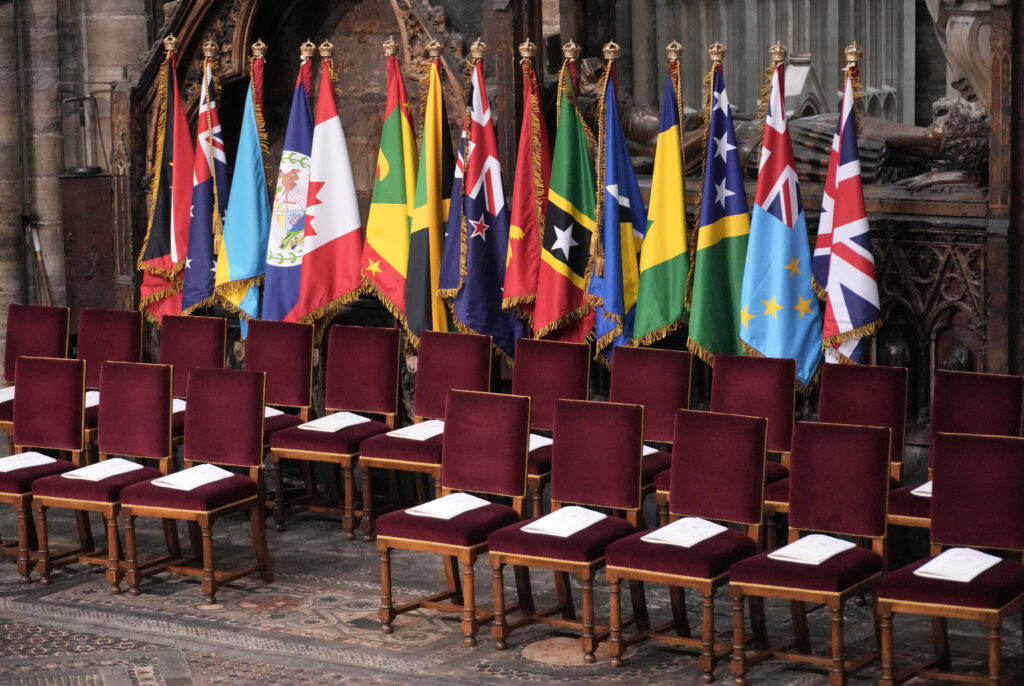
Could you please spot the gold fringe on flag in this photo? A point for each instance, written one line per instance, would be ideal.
(270, 177)
(778, 55)
(708, 86)
(163, 88)
(801, 388)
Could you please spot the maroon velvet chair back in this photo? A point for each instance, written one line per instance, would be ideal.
(449, 360)
(757, 387)
(187, 342)
(718, 466)
(548, 371)
(486, 438)
(976, 491)
(49, 405)
(595, 458)
(284, 350)
(224, 417)
(655, 378)
(839, 478)
(135, 410)
(362, 369)
(865, 395)
(35, 330)
(974, 403)
(114, 335)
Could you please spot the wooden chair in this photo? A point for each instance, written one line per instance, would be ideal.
(486, 438)
(976, 502)
(224, 426)
(962, 402)
(187, 342)
(284, 351)
(134, 421)
(446, 361)
(717, 474)
(50, 409)
(114, 335)
(362, 376)
(32, 330)
(838, 485)
(548, 371)
(595, 463)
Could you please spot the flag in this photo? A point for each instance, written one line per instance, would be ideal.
(722, 230)
(386, 250)
(843, 262)
(664, 259)
(779, 308)
(333, 238)
(561, 311)
(529, 202)
(288, 216)
(476, 238)
(209, 198)
(242, 258)
(166, 244)
(621, 222)
(424, 309)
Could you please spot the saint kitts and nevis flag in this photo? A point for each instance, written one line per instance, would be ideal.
(288, 216)
(723, 227)
(561, 311)
(165, 247)
(477, 234)
(385, 257)
(779, 312)
(209, 198)
(843, 266)
(621, 223)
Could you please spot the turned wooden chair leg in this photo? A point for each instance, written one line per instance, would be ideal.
(387, 609)
(837, 671)
(367, 497)
(639, 601)
(113, 555)
(209, 576)
(26, 539)
(615, 623)
(886, 647)
(451, 574)
(800, 633)
(258, 526)
(940, 639)
(524, 590)
(589, 641)
(43, 566)
(707, 638)
(469, 622)
(279, 513)
(348, 494)
(171, 539)
(499, 630)
(131, 565)
(677, 596)
(564, 591)
(738, 664)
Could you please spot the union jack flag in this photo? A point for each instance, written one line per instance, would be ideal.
(844, 269)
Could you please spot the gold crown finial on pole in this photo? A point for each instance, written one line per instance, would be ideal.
(390, 47)
(209, 49)
(527, 48)
(307, 49)
(778, 53)
(854, 53)
(434, 48)
(478, 49)
(716, 52)
(674, 51)
(171, 43)
(571, 50)
(259, 48)
(611, 50)
(326, 49)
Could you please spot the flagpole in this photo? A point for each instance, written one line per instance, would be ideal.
(854, 53)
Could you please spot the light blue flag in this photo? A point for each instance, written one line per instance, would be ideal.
(779, 310)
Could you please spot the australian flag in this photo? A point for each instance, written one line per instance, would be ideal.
(476, 237)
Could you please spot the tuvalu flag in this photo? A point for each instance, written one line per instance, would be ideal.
(723, 227)
(664, 258)
(529, 198)
(424, 308)
(386, 250)
(780, 315)
(561, 311)
(621, 222)
(209, 197)
(166, 243)
(476, 238)
(333, 237)
(288, 215)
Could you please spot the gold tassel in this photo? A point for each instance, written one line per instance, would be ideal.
(161, 125)
(709, 80)
(261, 128)
(596, 246)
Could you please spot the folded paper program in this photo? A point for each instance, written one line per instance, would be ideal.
(449, 506)
(924, 490)
(812, 549)
(334, 422)
(6, 393)
(177, 405)
(564, 522)
(192, 478)
(685, 533)
(269, 412)
(537, 441)
(421, 431)
(103, 470)
(957, 564)
(92, 398)
(23, 461)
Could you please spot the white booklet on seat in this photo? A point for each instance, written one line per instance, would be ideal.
(565, 521)
(192, 478)
(924, 490)
(537, 441)
(685, 532)
(92, 398)
(812, 549)
(6, 393)
(103, 470)
(448, 506)
(335, 422)
(23, 461)
(269, 412)
(957, 564)
(421, 431)
(177, 405)
(648, 450)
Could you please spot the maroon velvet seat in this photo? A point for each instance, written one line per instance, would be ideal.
(114, 335)
(486, 439)
(49, 415)
(223, 426)
(548, 371)
(976, 503)
(134, 420)
(963, 402)
(717, 474)
(187, 342)
(33, 330)
(284, 350)
(838, 485)
(446, 361)
(595, 463)
(362, 376)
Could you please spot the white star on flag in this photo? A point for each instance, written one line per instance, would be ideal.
(564, 241)
(723, 146)
(721, 193)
